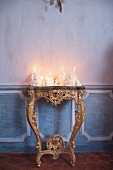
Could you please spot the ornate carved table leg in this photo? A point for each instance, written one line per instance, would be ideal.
(31, 117)
(79, 120)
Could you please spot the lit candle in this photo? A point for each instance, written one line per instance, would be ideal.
(74, 76)
(74, 70)
(34, 73)
(49, 79)
(63, 72)
(36, 78)
(68, 81)
(33, 77)
(62, 77)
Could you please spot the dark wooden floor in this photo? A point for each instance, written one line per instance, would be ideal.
(85, 161)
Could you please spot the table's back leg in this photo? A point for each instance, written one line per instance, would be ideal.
(79, 120)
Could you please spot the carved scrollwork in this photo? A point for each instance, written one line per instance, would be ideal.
(31, 97)
(55, 97)
(55, 142)
(58, 96)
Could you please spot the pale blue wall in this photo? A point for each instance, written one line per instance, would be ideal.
(95, 135)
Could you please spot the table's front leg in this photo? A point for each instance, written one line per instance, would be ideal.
(79, 120)
(31, 117)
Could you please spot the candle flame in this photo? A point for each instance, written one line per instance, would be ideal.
(74, 68)
(62, 68)
(34, 69)
(50, 72)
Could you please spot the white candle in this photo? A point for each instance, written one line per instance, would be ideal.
(74, 70)
(49, 80)
(62, 77)
(34, 73)
(50, 75)
(68, 81)
(36, 78)
(63, 72)
(74, 74)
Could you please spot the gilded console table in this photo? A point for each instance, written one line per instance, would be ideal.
(55, 94)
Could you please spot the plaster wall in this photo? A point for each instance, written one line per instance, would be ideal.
(34, 33)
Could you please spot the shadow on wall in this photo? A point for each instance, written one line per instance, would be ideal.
(28, 79)
(46, 4)
(108, 67)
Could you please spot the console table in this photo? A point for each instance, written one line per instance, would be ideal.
(55, 95)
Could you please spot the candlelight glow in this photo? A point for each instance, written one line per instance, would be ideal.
(62, 68)
(34, 69)
(62, 79)
(74, 68)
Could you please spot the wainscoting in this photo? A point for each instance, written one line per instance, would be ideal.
(95, 134)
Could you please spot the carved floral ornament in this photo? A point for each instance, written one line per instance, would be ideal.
(59, 3)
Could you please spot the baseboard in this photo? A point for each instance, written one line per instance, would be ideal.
(97, 147)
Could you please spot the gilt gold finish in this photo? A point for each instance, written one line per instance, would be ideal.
(55, 95)
(59, 3)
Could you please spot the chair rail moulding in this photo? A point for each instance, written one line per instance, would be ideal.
(95, 91)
